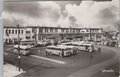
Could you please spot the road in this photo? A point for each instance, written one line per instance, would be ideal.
(39, 65)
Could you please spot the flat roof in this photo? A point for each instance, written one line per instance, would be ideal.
(46, 27)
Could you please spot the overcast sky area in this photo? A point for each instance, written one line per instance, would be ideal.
(63, 13)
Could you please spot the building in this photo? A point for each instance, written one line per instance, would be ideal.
(70, 33)
(42, 33)
(25, 33)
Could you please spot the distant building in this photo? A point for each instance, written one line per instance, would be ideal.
(42, 33)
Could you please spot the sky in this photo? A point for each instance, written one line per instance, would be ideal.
(98, 14)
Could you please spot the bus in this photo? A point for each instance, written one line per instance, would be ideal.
(88, 48)
(74, 49)
(30, 43)
(24, 50)
(58, 50)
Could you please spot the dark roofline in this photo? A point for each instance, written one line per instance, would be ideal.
(46, 27)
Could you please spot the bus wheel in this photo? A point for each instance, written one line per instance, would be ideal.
(69, 53)
(50, 53)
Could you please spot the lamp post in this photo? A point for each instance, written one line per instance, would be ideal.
(19, 55)
(90, 35)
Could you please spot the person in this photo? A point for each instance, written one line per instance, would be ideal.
(46, 53)
(91, 52)
(99, 50)
(86, 47)
(38, 52)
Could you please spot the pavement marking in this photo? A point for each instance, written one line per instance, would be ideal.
(53, 60)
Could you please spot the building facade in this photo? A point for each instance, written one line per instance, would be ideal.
(70, 33)
(42, 33)
(25, 33)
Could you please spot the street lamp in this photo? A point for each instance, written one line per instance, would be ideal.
(19, 55)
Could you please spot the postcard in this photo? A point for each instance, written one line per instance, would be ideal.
(61, 38)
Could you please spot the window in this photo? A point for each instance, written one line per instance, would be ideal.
(87, 30)
(67, 30)
(6, 31)
(33, 36)
(9, 31)
(56, 30)
(27, 31)
(46, 30)
(73, 31)
(27, 37)
(40, 30)
(78, 30)
(82, 31)
(21, 31)
(51, 30)
(62, 30)
(15, 31)
(12, 31)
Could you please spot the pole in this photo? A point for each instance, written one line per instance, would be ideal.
(90, 34)
(19, 56)
(70, 32)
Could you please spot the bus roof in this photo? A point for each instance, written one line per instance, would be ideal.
(22, 46)
(87, 44)
(58, 46)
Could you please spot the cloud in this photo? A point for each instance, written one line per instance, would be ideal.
(36, 11)
(64, 13)
(25, 8)
(95, 14)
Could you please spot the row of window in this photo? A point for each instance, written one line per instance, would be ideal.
(50, 30)
(53, 48)
(67, 30)
(14, 31)
(56, 30)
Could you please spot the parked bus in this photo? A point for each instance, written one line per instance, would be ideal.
(58, 50)
(88, 48)
(74, 49)
(24, 50)
(30, 43)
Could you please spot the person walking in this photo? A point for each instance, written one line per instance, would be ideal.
(39, 52)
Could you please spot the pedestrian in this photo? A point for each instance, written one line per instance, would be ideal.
(39, 52)
(91, 54)
(16, 62)
(99, 50)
